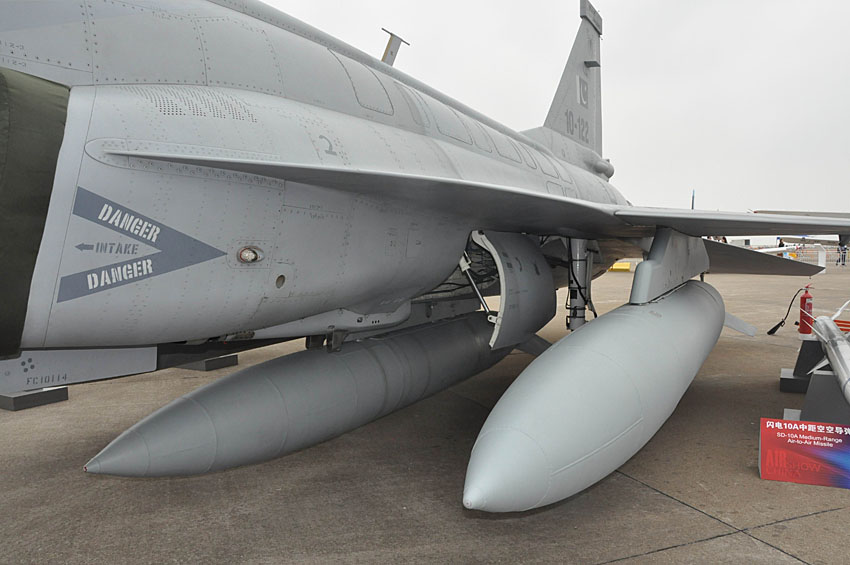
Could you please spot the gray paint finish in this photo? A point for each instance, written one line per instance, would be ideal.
(673, 259)
(591, 401)
(527, 291)
(296, 401)
(46, 368)
(358, 188)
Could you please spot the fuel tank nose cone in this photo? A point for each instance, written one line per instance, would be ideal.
(179, 439)
(500, 457)
(474, 499)
(127, 452)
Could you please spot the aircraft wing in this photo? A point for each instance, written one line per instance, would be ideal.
(725, 258)
(508, 208)
(496, 207)
(804, 213)
(699, 222)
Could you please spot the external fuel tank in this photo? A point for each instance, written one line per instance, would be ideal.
(299, 400)
(591, 401)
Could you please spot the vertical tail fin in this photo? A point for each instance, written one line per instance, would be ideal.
(576, 111)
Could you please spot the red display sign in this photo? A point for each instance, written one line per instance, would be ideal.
(812, 453)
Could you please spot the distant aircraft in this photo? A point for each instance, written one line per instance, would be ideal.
(804, 213)
(185, 178)
(806, 240)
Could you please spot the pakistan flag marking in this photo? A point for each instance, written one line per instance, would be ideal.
(176, 250)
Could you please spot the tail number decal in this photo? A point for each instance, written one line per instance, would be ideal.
(577, 127)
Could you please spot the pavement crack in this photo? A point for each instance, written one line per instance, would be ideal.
(659, 550)
(791, 519)
(780, 550)
(736, 530)
(748, 531)
(671, 497)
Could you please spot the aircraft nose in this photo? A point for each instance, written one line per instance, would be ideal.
(32, 126)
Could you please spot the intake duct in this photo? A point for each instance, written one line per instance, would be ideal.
(32, 126)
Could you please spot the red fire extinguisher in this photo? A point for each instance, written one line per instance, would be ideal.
(806, 318)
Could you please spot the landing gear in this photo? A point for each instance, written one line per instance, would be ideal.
(581, 271)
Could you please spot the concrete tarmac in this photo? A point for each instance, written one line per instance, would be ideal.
(391, 491)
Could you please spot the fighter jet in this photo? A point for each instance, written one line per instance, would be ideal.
(184, 178)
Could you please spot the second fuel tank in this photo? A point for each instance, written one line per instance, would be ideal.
(591, 401)
(299, 400)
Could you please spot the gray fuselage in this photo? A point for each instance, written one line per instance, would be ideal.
(196, 78)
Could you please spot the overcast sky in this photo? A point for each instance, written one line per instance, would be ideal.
(746, 102)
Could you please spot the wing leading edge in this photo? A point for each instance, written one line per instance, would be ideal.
(509, 208)
(700, 223)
